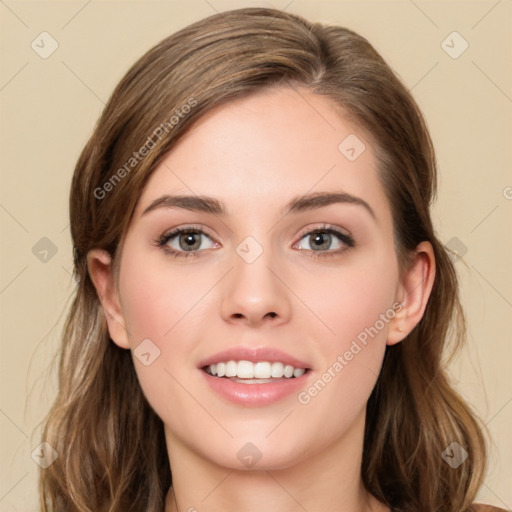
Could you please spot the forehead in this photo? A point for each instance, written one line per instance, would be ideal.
(260, 151)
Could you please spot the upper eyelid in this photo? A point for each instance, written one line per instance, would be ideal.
(178, 230)
(324, 227)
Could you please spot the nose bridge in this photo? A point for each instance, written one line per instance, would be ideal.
(254, 290)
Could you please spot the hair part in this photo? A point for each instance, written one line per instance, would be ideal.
(413, 413)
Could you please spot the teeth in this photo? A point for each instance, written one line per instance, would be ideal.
(249, 370)
(262, 370)
(288, 371)
(231, 369)
(245, 370)
(277, 370)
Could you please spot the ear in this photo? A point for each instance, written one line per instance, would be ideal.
(413, 293)
(99, 264)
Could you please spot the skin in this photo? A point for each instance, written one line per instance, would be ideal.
(256, 154)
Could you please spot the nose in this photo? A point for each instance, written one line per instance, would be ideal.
(255, 293)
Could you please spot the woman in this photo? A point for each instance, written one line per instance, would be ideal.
(262, 302)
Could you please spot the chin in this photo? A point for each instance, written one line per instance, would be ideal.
(258, 454)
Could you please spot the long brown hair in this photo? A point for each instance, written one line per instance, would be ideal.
(111, 445)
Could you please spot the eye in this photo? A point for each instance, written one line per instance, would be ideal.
(184, 242)
(327, 241)
(189, 241)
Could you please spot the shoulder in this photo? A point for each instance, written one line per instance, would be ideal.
(480, 507)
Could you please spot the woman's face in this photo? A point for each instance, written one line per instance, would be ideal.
(257, 280)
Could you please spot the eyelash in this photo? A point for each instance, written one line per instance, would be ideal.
(343, 237)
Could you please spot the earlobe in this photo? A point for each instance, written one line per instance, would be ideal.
(413, 294)
(99, 264)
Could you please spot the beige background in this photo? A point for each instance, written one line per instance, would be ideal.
(48, 109)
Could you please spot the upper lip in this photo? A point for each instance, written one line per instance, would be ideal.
(255, 355)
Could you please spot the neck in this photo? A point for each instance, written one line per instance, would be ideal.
(329, 480)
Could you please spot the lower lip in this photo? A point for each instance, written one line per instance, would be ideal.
(254, 395)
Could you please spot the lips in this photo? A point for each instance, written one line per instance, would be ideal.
(254, 392)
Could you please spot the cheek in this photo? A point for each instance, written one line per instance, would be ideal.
(158, 297)
(163, 304)
(167, 304)
(353, 300)
(356, 308)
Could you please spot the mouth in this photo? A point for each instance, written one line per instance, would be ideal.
(259, 372)
(254, 376)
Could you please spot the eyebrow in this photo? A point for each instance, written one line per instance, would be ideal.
(297, 204)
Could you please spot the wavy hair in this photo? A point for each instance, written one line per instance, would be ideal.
(112, 451)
